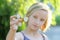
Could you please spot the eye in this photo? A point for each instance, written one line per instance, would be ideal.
(42, 20)
(35, 16)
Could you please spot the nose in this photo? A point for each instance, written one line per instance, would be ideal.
(38, 22)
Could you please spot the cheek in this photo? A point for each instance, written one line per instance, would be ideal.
(31, 21)
(41, 23)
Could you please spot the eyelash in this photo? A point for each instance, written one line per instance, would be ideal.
(41, 19)
(35, 17)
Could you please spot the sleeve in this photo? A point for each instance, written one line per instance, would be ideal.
(18, 36)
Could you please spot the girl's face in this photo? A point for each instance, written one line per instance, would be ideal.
(37, 19)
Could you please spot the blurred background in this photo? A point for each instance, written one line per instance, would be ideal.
(12, 7)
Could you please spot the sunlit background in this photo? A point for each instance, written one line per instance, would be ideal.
(12, 7)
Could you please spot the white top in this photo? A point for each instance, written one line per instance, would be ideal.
(19, 36)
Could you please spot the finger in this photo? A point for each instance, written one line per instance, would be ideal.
(14, 22)
(12, 17)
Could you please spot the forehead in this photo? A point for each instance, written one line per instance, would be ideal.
(40, 13)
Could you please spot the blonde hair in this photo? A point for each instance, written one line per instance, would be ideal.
(41, 6)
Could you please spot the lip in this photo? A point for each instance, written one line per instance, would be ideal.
(35, 26)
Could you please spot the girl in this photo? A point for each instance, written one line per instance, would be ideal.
(37, 19)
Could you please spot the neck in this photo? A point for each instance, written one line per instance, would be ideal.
(31, 31)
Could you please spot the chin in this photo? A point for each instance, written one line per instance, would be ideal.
(34, 29)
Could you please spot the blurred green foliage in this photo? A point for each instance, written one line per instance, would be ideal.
(55, 7)
(12, 7)
(58, 20)
(9, 8)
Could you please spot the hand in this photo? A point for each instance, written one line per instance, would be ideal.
(15, 21)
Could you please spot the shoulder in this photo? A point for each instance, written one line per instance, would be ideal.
(19, 36)
(44, 35)
(46, 38)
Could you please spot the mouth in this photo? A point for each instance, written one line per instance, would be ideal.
(35, 25)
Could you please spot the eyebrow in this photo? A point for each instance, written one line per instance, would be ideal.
(44, 18)
(43, 9)
(35, 15)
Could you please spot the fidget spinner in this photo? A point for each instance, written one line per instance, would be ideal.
(18, 17)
